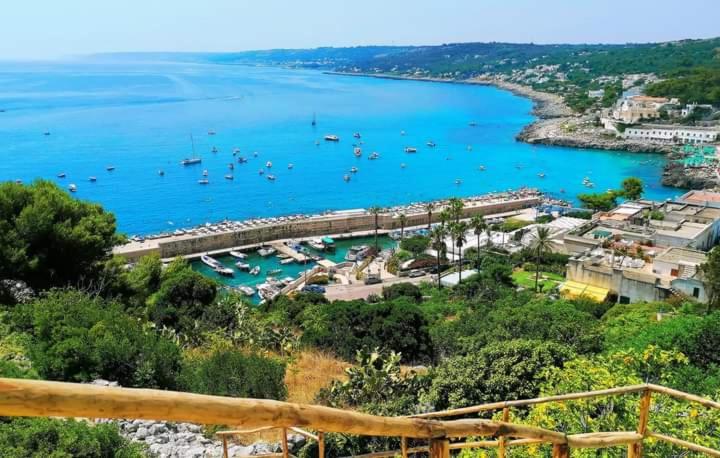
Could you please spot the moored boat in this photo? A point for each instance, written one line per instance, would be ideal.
(229, 177)
(268, 164)
(431, 144)
(110, 168)
(246, 290)
(332, 138)
(71, 187)
(191, 161)
(92, 179)
(357, 135)
(373, 156)
(271, 177)
(61, 175)
(204, 181)
(255, 270)
(346, 178)
(266, 251)
(287, 261)
(210, 261)
(237, 254)
(243, 266)
(410, 149)
(224, 271)
(353, 169)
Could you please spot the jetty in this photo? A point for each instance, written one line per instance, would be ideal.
(284, 249)
(227, 235)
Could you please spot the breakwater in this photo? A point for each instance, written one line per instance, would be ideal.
(228, 235)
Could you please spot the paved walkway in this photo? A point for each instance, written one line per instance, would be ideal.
(362, 291)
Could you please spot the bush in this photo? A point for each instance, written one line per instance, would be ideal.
(230, 372)
(43, 437)
(397, 290)
(416, 244)
(78, 338)
(346, 327)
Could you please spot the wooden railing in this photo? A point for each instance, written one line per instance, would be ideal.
(55, 399)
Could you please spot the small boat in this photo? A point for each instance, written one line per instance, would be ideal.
(214, 149)
(210, 261)
(469, 147)
(229, 177)
(161, 173)
(61, 175)
(562, 191)
(316, 244)
(205, 173)
(410, 149)
(282, 255)
(290, 166)
(287, 280)
(317, 142)
(271, 177)
(274, 271)
(482, 168)
(242, 266)
(353, 170)
(237, 254)
(46, 133)
(458, 182)
(255, 270)
(472, 124)
(255, 154)
(261, 172)
(314, 121)
(402, 133)
(211, 132)
(246, 290)
(110, 168)
(231, 166)
(402, 165)
(346, 178)
(268, 164)
(204, 181)
(332, 138)
(224, 271)
(191, 161)
(236, 151)
(242, 160)
(92, 179)
(287, 261)
(72, 187)
(357, 152)
(266, 251)
(431, 144)
(18, 181)
(357, 135)
(373, 156)
(541, 175)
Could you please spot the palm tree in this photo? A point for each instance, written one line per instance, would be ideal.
(488, 233)
(429, 207)
(458, 231)
(375, 211)
(477, 223)
(456, 208)
(541, 244)
(403, 220)
(437, 239)
(444, 217)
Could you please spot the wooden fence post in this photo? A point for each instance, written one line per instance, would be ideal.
(439, 448)
(502, 439)
(560, 451)
(284, 442)
(225, 447)
(321, 444)
(403, 447)
(635, 450)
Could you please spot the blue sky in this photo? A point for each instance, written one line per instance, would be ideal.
(56, 28)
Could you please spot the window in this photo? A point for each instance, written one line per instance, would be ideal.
(696, 292)
(624, 300)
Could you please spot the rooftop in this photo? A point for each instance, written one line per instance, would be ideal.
(684, 255)
(700, 197)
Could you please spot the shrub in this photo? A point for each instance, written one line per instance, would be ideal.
(416, 244)
(346, 327)
(397, 290)
(79, 338)
(230, 372)
(43, 437)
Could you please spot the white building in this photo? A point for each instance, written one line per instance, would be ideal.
(672, 133)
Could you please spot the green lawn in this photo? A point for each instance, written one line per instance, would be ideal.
(527, 279)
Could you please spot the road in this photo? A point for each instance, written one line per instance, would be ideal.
(362, 291)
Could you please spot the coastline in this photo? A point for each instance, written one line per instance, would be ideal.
(556, 123)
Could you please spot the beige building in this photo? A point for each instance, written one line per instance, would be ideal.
(639, 108)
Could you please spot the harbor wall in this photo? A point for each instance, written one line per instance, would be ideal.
(335, 223)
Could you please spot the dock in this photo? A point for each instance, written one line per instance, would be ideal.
(284, 249)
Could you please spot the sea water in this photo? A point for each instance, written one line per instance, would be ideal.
(139, 119)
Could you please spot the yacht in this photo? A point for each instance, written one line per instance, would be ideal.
(266, 251)
(346, 178)
(353, 170)
(242, 266)
(356, 253)
(373, 156)
(61, 175)
(246, 290)
(271, 177)
(191, 161)
(268, 164)
(238, 254)
(204, 181)
(410, 149)
(72, 187)
(431, 144)
(332, 138)
(92, 179)
(255, 270)
(357, 135)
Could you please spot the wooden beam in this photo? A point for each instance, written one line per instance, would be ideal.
(684, 444)
(284, 443)
(321, 444)
(560, 451)
(225, 447)
(685, 396)
(403, 447)
(479, 427)
(439, 448)
(603, 440)
(635, 450)
(502, 439)
(302, 432)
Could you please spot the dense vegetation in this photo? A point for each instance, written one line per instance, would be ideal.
(485, 340)
(701, 85)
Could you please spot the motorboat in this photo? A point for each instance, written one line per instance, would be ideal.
(92, 179)
(236, 151)
(287, 261)
(357, 135)
(204, 181)
(402, 165)
(290, 166)
(110, 168)
(268, 164)
(482, 168)
(431, 144)
(287, 280)
(458, 182)
(261, 172)
(161, 173)
(231, 166)
(410, 149)
(205, 173)
(346, 178)
(266, 251)
(210, 261)
(61, 175)
(255, 270)
(541, 175)
(242, 160)
(271, 177)
(332, 138)
(72, 187)
(255, 154)
(224, 271)
(469, 147)
(353, 170)
(472, 124)
(274, 272)
(357, 152)
(238, 254)
(211, 132)
(229, 177)
(243, 266)
(328, 243)
(214, 149)
(246, 290)
(191, 161)
(402, 133)
(373, 156)
(316, 244)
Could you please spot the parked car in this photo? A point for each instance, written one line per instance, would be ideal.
(372, 280)
(416, 273)
(313, 289)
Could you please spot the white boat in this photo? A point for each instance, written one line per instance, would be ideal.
(205, 173)
(238, 254)
(268, 164)
(287, 280)
(357, 152)
(92, 179)
(267, 292)
(541, 175)
(271, 177)
(402, 133)
(243, 266)
(346, 178)
(236, 151)
(191, 161)
(273, 272)
(410, 149)
(210, 261)
(225, 271)
(255, 154)
(353, 170)
(458, 182)
(287, 261)
(332, 138)
(203, 181)
(231, 166)
(357, 135)
(72, 187)
(431, 144)
(266, 251)
(255, 270)
(482, 168)
(246, 290)
(317, 244)
(290, 166)
(373, 156)
(229, 177)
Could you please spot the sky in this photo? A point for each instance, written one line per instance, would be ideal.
(39, 29)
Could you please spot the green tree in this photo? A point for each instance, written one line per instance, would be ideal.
(455, 207)
(604, 201)
(711, 278)
(48, 238)
(145, 277)
(429, 207)
(541, 244)
(632, 188)
(437, 237)
(375, 211)
(458, 231)
(403, 220)
(416, 244)
(478, 225)
(406, 290)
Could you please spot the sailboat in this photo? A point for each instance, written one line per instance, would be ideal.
(194, 159)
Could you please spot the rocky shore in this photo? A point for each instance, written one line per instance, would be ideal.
(677, 176)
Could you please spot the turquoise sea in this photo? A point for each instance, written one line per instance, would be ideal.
(138, 117)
